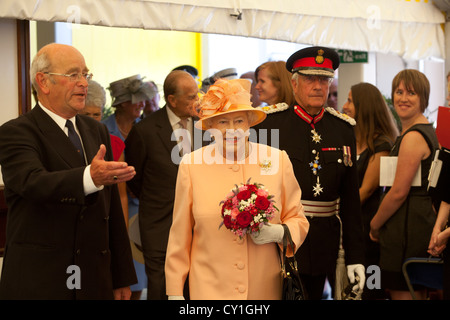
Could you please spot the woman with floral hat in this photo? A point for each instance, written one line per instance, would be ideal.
(231, 198)
(129, 96)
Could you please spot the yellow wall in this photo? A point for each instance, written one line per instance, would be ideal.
(115, 53)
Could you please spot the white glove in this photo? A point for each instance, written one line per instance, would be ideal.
(176, 298)
(269, 233)
(359, 270)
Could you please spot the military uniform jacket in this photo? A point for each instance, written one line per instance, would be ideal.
(51, 224)
(325, 167)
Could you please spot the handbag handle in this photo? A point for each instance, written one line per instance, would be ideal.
(287, 239)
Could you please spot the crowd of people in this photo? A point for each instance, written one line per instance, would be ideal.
(79, 187)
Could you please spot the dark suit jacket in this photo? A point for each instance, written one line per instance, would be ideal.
(51, 223)
(151, 151)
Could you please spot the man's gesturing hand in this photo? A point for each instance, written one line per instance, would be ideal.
(109, 172)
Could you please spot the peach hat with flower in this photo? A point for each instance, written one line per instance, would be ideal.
(226, 96)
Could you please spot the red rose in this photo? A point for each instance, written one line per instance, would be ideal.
(244, 218)
(244, 195)
(262, 203)
(252, 188)
(227, 222)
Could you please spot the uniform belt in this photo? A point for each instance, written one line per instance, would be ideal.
(321, 208)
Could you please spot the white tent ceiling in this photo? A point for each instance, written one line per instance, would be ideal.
(410, 29)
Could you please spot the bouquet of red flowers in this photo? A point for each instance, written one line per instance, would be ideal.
(247, 208)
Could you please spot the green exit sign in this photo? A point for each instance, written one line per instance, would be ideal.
(348, 56)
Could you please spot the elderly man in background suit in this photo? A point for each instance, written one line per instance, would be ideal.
(66, 236)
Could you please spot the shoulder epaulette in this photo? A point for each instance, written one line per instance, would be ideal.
(342, 116)
(275, 108)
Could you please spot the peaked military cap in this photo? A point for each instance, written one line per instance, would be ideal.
(320, 61)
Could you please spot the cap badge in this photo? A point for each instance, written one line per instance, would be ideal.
(319, 58)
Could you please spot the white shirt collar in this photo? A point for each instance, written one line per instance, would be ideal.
(60, 121)
(174, 119)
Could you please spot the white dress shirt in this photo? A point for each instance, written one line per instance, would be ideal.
(88, 183)
(177, 134)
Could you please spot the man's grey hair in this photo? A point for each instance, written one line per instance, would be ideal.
(41, 63)
(295, 77)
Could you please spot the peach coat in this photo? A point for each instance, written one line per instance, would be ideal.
(219, 264)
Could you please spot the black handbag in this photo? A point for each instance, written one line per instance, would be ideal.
(292, 287)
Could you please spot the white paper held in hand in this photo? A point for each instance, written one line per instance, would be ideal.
(388, 167)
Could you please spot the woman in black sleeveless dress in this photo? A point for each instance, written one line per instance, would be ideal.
(405, 218)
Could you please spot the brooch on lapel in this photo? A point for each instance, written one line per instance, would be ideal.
(265, 165)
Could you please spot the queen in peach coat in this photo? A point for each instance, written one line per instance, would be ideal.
(220, 264)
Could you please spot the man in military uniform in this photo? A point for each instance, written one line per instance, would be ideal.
(321, 145)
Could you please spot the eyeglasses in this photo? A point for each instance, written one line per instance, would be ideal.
(73, 76)
(312, 79)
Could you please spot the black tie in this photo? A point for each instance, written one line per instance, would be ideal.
(73, 136)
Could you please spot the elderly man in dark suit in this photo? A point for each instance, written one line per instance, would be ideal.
(154, 147)
(66, 236)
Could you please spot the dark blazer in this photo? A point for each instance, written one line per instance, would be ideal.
(51, 223)
(155, 156)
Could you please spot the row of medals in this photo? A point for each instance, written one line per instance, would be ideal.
(315, 165)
